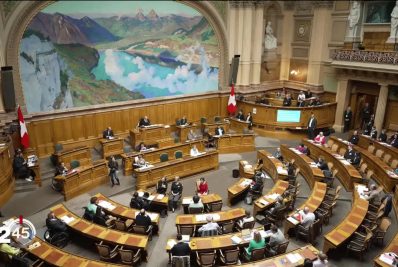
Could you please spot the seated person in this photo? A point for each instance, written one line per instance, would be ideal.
(136, 201)
(240, 116)
(373, 133)
(259, 166)
(141, 147)
(202, 187)
(196, 202)
(256, 186)
(194, 151)
(144, 122)
(161, 186)
(349, 154)
(291, 170)
(373, 196)
(394, 140)
(20, 167)
(210, 227)
(139, 162)
(276, 237)
(248, 218)
(210, 142)
(278, 154)
(357, 159)
(382, 136)
(307, 263)
(308, 94)
(92, 206)
(320, 139)
(279, 204)
(287, 101)
(321, 261)
(354, 138)
(146, 203)
(307, 217)
(317, 102)
(301, 148)
(321, 164)
(55, 225)
(183, 121)
(301, 99)
(108, 133)
(256, 243)
(101, 218)
(219, 131)
(191, 135)
(61, 169)
(249, 119)
(181, 248)
(143, 219)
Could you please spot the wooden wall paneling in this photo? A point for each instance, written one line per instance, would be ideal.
(134, 116)
(186, 109)
(391, 118)
(44, 133)
(32, 134)
(223, 106)
(115, 119)
(62, 129)
(100, 124)
(78, 128)
(89, 126)
(172, 112)
(156, 113)
(126, 121)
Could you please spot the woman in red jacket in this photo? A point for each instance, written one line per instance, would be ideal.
(202, 187)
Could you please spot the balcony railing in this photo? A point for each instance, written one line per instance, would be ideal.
(364, 56)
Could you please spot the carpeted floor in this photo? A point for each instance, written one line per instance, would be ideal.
(34, 205)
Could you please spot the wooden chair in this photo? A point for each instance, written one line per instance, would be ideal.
(256, 254)
(129, 257)
(342, 151)
(362, 168)
(178, 154)
(246, 225)
(142, 230)
(371, 148)
(74, 164)
(330, 142)
(217, 119)
(305, 233)
(164, 157)
(206, 259)
(124, 226)
(332, 192)
(359, 244)
(334, 147)
(379, 153)
(105, 252)
(330, 165)
(229, 257)
(277, 250)
(214, 206)
(386, 158)
(381, 230)
(228, 227)
(278, 216)
(394, 163)
(180, 261)
(195, 210)
(186, 229)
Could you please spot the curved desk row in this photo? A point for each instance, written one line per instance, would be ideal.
(383, 173)
(313, 203)
(272, 165)
(54, 256)
(219, 217)
(269, 199)
(267, 116)
(99, 233)
(238, 190)
(308, 168)
(347, 173)
(365, 141)
(153, 155)
(7, 181)
(235, 143)
(146, 177)
(342, 232)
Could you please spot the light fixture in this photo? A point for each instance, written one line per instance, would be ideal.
(294, 72)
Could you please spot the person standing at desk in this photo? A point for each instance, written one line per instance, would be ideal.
(144, 122)
(240, 116)
(301, 99)
(113, 167)
(219, 131)
(249, 119)
(347, 119)
(181, 248)
(394, 140)
(20, 167)
(311, 127)
(108, 133)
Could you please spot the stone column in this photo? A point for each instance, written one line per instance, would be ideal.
(286, 47)
(245, 59)
(258, 38)
(342, 99)
(381, 107)
(232, 25)
(239, 41)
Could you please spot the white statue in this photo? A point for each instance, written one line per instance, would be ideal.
(270, 40)
(394, 22)
(353, 18)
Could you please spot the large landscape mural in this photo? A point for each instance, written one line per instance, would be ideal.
(80, 53)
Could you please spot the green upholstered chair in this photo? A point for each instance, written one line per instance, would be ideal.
(164, 157)
(176, 139)
(203, 120)
(74, 164)
(217, 119)
(59, 147)
(178, 154)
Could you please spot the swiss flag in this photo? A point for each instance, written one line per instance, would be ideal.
(232, 101)
(24, 131)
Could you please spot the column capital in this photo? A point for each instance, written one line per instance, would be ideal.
(383, 85)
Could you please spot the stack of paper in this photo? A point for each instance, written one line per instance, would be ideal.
(281, 170)
(247, 167)
(273, 196)
(388, 258)
(187, 201)
(245, 183)
(200, 217)
(236, 240)
(106, 205)
(153, 216)
(265, 234)
(292, 220)
(160, 196)
(185, 238)
(171, 243)
(294, 257)
(271, 157)
(216, 216)
(67, 219)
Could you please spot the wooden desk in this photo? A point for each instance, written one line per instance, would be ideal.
(245, 172)
(124, 212)
(392, 247)
(272, 165)
(99, 233)
(238, 125)
(153, 156)
(347, 174)
(279, 188)
(235, 143)
(342, 232)
(183, 130)
(155, 134)
(36, 167)
(178, 167)
(84, 179)
(210, 127)
(383, 173)
(229, 215)
(82, 154)
(7, 180)
(206, 200)
(266, 115)
(238, 190)
(307, 166)
(111, 147)
(313, 203)
(57, 257)
(159, 202)
(365, 141)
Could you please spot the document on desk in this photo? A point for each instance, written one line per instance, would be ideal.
(66, 219)
(236, 240)
(294, 257)
(281, 170)
(345, 162)
(106, 205)
(153, 216)
(160, 196)
(292, 220)
(171, 243)
(150, 198)
(216, 216)
(200, 217)
(264, 202)
(187, 201)
(245, 183)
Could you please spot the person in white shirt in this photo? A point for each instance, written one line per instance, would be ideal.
(210, 225)
(139, 161)
(191, 135)
(322, 261)
(246, 219)
(300, 98)
(194, 151)
(307, 217)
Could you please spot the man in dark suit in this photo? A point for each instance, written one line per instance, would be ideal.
(143, 219)
(108, 133)
(321, 164)
(287, 101)
(240, 115)
(181, 248)
(55, 225)
(394, 140)
(144, 122)
(219, 131)
(356, 159)
(183, 121)
(382, 136)
(354, 138)
(347, 119)
(349, 154)
(373, 133)
(311, 127)
(365, 115)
